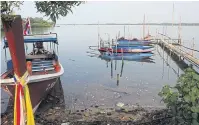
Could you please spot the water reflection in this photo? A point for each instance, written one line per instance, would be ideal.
(180, 63)
(121, 61)
(55, 98)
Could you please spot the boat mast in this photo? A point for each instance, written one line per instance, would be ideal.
(173, 15)
(144, 27)
(124, 31)
(99, 45)
(179, 32)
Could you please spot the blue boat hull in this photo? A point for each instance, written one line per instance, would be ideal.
(126, 56)
(133, 41)
(133, 47)
(136, 42)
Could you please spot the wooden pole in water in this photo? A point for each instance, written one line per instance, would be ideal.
(118, 78)
(122, 68)
(115, 64)
(111, 68)
(122, 55)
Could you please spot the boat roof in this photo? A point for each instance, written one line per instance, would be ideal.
(52, 37)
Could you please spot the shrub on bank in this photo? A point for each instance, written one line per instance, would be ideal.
(183, 98)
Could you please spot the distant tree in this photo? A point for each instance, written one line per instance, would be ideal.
(52, 9)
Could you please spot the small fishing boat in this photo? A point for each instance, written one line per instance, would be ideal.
(126, 56)
(133, 47)
(132, 42)
(42, 64)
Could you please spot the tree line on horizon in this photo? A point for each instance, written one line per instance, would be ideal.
(166, 24)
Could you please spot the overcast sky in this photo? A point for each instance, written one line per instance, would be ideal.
(123, 12)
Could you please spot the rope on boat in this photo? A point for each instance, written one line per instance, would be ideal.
(22, 105)
(90, 47)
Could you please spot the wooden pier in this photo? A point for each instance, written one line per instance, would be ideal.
(176, 48)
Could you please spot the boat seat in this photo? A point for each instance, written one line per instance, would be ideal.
(40, 65)
(38, 70)
(40, 56)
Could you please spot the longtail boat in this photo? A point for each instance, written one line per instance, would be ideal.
(41, 64)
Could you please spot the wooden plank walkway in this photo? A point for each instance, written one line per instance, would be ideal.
(178, 51)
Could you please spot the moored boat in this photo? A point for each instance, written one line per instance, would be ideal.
(133, 47)
(132, 42)
(135, 43)
(43, 67)
(125, 50)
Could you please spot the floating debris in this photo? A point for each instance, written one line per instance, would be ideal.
(120, 104)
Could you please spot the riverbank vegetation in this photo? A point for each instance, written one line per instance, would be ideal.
(183, 98)
(39, 22)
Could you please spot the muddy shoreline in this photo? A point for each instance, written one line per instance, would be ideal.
(53, 111)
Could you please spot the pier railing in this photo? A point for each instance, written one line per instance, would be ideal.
(177, 48)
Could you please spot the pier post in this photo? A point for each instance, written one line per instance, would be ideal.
(118, 78)
(193, 48)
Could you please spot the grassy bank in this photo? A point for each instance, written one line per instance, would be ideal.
(38, 22)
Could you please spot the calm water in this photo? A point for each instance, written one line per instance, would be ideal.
(87, 80)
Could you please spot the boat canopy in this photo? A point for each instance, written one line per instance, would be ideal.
(52, 37)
